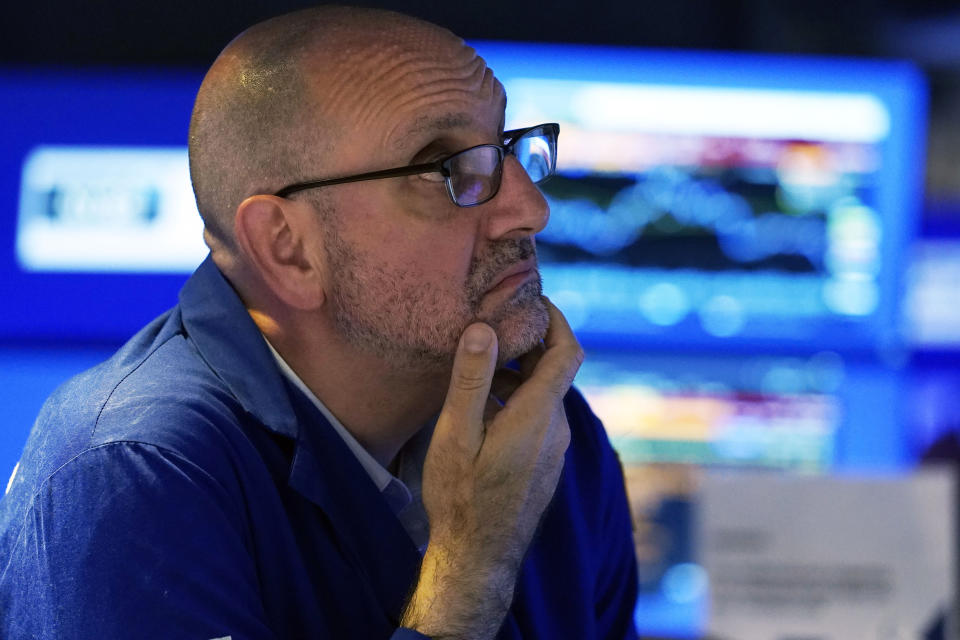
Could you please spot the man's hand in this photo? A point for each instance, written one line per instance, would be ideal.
(489, 474)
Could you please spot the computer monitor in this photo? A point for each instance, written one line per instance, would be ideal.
(724, 201)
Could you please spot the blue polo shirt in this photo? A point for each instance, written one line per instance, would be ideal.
(186, 489)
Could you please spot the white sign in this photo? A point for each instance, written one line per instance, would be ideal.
(95, 209)
(828, 557)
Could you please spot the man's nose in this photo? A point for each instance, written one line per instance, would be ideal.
(519, 209)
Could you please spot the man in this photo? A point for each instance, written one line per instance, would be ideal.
(317, 441)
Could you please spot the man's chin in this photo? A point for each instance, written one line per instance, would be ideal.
(521, 330)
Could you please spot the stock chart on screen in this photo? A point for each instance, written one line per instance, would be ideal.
(705, 200)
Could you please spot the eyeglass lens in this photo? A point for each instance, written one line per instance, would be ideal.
(475, 173)
(535, 154)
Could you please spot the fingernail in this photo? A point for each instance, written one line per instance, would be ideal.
(476, 339)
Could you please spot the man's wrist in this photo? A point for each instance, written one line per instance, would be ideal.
(458, 598)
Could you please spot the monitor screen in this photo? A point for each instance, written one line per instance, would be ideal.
(708, 200)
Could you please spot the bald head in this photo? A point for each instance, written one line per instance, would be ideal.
(270, 109)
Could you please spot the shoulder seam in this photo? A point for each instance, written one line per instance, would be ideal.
(103, 405)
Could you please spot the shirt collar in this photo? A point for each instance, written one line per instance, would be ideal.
(232, 346)
(380, 476)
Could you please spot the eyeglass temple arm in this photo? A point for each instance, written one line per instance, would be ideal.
(414, 169)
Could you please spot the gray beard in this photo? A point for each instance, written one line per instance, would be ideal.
(414, 329)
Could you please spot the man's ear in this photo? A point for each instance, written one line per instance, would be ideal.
(269, 231)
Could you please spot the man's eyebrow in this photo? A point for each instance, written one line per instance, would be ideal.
(427, 123)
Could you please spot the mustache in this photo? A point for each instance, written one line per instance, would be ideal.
(498, 256)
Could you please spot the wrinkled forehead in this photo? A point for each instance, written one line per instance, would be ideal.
(393, 85)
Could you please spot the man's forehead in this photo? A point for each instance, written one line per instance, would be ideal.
(433, 124)
(404, 85)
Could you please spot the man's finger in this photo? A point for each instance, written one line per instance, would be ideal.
(562, 355)
(558, 332)
(528, 361)
(556, 367)
(473, 366)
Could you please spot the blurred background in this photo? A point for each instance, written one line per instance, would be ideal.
(755, 230)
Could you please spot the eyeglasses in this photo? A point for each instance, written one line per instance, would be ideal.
(473, 175)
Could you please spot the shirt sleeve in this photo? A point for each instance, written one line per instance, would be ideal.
(129, 540)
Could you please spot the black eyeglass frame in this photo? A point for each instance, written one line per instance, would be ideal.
(440, 166)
